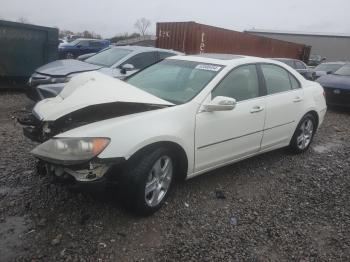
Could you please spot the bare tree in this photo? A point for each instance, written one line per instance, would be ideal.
(142, 25)
(23, 20)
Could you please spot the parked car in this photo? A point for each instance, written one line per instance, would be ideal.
(299, 66)
(327, 68)
(81, 46)
(337, 86)
(119, 62)
(85, 56)
(315, 60)
(176, 119)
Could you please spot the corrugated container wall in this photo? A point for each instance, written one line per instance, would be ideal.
(24, 47)
(194, 38)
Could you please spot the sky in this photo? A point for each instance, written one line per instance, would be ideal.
(112, 17)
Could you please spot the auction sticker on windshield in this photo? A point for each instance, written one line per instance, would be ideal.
(208, 67)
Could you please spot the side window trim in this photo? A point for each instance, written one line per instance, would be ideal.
(260, 84)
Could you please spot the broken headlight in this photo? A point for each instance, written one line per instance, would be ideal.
(70, 151)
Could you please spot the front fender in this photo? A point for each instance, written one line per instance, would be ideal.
(131, 133)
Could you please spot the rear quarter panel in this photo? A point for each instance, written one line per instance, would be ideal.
(314, 92)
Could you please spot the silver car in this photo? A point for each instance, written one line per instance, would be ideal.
(119, 62)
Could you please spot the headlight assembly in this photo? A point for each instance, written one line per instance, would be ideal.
(70, 151)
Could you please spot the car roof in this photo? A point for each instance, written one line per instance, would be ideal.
(223, 59)
(145, 48)
(286, 59)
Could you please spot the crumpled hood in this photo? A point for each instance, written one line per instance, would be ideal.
(92, 88)
(335, 81)
(65, 67)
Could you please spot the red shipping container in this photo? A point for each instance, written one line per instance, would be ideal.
(194, 38)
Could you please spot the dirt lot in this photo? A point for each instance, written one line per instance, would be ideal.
(275, 207)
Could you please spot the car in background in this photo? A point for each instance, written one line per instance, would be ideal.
(337, 86)
(86, 56)
(315, 60)
(174, 120)
(327, 68)
(118, 62)
(81, 46)
(299, 66)
(62, 41)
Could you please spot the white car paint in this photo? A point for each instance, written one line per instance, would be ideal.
(209, 139)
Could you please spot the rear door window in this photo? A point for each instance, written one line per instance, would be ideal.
(276, 79)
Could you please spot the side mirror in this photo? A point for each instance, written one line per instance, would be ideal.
(329, 72)
(79, 46)
(220, 103)
(125, 68)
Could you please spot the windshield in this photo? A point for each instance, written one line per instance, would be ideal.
(108, 57)
(343, 71)
(328, 67)
(175, 80)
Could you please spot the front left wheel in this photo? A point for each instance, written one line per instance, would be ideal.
(148, 180)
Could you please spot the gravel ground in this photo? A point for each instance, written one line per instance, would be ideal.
(274, 207)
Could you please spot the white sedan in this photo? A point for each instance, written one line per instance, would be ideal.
(176, 119)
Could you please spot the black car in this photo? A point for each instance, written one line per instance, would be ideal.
(337, 87)
(327, 68)
(299, 66)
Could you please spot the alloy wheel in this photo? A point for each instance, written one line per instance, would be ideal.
(159, 180)
(306, 132)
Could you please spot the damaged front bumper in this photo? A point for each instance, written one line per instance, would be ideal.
(95, 174)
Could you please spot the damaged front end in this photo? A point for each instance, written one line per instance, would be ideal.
(94, 173)
(75, 161)
(40, 131)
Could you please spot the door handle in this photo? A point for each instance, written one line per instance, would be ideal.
(297, 99)
(256, 109)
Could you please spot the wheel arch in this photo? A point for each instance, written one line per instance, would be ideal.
(180, 154)
(315, 115)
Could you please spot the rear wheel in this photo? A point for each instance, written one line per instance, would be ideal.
(303, 134)
(148, 181)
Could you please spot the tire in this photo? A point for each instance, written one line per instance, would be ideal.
(303, 134)
(69, 56)
(153, 171)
